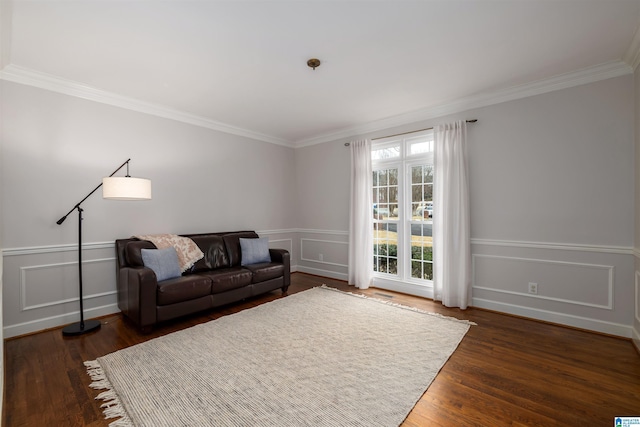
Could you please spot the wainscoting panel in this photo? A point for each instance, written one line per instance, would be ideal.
(583, 286)
(324, 253)
(41, 286)
(327, 252)
(34, 296)
(286, 244)
(511, 275)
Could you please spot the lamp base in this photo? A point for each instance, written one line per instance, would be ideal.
(78, 329)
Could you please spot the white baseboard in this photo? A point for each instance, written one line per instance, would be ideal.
(559, 318)
(55, 321)
(636, 338)
(320, 272)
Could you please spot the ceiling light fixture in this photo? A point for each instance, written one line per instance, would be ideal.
(313, 63)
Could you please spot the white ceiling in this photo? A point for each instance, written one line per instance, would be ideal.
(240, 66)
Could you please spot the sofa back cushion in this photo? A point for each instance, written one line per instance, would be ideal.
(232, 242)
(220, 249)
(133, 252)
(215, 253)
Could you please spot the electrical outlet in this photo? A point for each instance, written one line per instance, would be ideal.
(320, 257)
(533, 288)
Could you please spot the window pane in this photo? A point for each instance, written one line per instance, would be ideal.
(383, 178)
(421, 147)
(393, 194)
(422, 251)
(416, 269)
(385, 153)
(427, 272)
(385, 247)
(393, 265)
(416, 175)
(427, 192)
(428, 173)
(417, 191)
(393, 176)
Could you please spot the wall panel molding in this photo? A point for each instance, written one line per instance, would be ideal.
(40, 324)
(609, 269)
(24, 306)
(330, 242)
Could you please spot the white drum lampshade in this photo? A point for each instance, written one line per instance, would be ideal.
(126, 188)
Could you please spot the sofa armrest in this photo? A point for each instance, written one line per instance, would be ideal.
(137, 290)
(282, 256)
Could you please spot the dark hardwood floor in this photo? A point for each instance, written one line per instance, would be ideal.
(507, 371)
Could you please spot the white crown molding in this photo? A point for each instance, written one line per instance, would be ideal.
(563, 81)
(25, 76)
(21, 75)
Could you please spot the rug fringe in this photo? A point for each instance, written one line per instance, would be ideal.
(406, 307)
(112, 407)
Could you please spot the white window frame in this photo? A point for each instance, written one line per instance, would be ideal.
(403, 282)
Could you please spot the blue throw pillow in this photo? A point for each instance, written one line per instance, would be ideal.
(255, 251)
(163, 262)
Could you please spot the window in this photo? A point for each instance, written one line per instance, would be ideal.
(403, 208)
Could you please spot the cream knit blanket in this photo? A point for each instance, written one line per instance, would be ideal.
(188, 251)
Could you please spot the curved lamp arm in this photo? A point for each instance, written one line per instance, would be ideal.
(77, 205)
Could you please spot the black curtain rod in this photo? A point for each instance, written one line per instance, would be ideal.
(414, 131)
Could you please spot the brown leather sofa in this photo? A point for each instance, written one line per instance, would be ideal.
(216, 279)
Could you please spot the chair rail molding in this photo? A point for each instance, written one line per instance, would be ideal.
(622, 250)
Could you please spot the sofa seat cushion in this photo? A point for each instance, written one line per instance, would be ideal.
(265, 271)
(183, 288)
(225, 279)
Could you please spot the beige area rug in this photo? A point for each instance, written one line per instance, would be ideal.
(321, 357)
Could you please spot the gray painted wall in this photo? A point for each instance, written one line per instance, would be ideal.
(56, 148)
(552, 181)
(552, 202)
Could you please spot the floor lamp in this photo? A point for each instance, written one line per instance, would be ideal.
(116, 188)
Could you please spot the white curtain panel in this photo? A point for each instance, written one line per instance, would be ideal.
(451, 225)
(361, 216)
